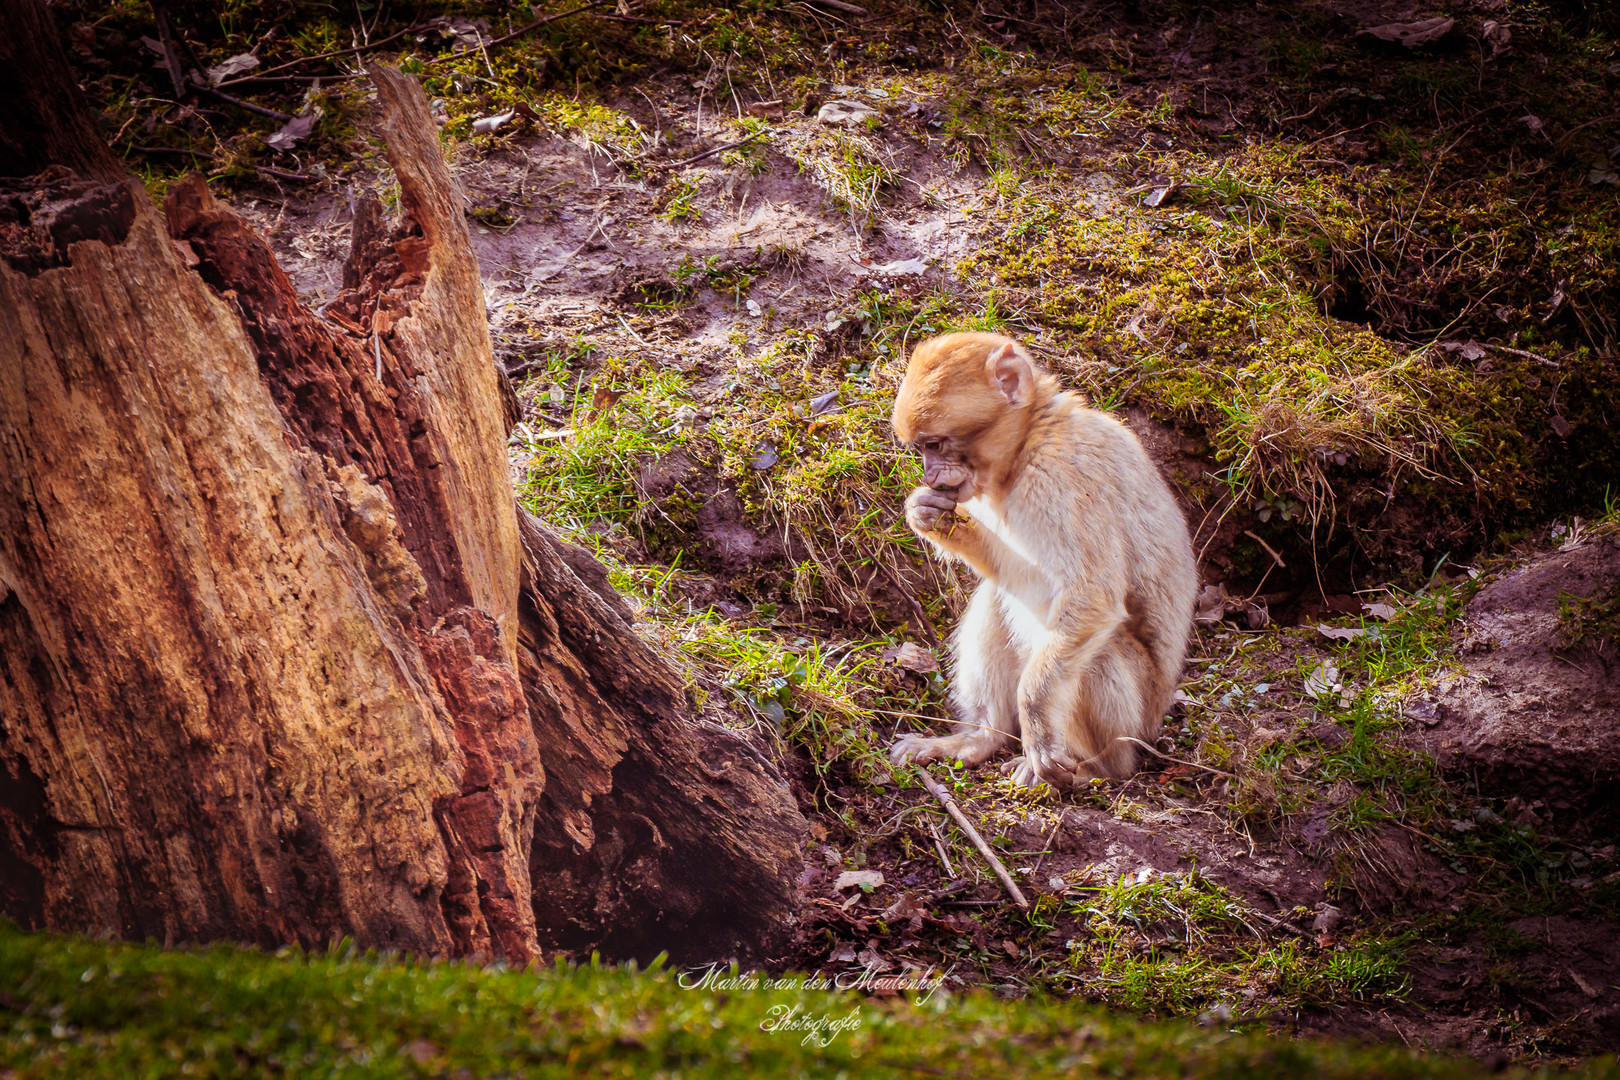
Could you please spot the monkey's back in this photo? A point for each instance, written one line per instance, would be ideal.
(1125, 498)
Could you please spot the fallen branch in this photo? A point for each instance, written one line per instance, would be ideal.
(263, 75)
(537, 24)
(171, 59)
(280, 174)
(248, 105)
(711, 153)
(955, 811)
(1525, 353)
(841, 5)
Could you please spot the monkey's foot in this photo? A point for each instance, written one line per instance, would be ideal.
(970, 748)
(1030, 769)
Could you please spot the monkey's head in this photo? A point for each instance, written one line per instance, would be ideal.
(965, 405)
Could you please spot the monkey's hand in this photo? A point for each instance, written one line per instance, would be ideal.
(926, 506)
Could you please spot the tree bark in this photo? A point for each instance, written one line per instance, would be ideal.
(280, 658)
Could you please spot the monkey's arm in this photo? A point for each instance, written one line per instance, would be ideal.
(929, 512)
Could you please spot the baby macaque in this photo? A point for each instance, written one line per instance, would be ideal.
(1075, 637)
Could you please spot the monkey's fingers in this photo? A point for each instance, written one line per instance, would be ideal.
(933, 499)
(1022, 772)
(915, 748)
(1056, 769)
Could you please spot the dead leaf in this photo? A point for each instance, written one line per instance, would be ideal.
(913, 657)
(861, 879)
(1412, 34)
(1380, 611)
(1532, 121)
(905, 908)
(1424, 712)
(764, 457)
(844, 954)
(765, 110)
(845, 113)
(1498, 36)
(902, 267)
(823, 403)
(294, 131)
(1163, 188)
(1010, 947)
(1211, 606)
(1321, 682)
(1339, 633)
(234, 66)
(489, 125)
(602, 400)
(1560, 426)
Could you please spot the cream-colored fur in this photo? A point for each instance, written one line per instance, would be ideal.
(1075, 637)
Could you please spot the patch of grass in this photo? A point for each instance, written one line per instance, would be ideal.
(825, 471)
(676, 203)
(80, 1009)
(1180, 943)
(853, 169)
(1589, 620)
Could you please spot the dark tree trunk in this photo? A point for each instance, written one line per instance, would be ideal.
(280, 658)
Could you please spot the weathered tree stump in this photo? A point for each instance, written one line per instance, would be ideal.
(280, 657)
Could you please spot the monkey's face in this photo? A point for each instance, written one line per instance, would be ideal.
(945, 465)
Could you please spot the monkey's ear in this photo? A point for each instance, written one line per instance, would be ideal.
(1010, 373)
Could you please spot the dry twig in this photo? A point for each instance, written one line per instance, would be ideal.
(961, 819)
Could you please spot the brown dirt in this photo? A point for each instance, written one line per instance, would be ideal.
(1529, 716)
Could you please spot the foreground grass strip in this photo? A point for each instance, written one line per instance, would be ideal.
(91, 1008)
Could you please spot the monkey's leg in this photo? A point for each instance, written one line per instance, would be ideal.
(1091, 715)
(984, 687)
(1115, 707)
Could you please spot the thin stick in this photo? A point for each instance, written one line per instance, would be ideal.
(267, 170)
(955, 811)
(1051, 835)
(379, 43)
(939, 846)
(537, 24)
(716, 150)
(1526, 353)
(232, 99)
(171, 59)
(1269, 549)
(1190, 764)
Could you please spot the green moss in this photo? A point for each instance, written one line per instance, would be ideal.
(1213, 311)
(77, 1008)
